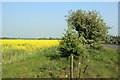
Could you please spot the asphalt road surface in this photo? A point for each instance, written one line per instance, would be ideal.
(112, 46)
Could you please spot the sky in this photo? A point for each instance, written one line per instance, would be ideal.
(46, 19)
(0, 19)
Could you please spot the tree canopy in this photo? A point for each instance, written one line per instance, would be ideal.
(85, 30)
(88, 24)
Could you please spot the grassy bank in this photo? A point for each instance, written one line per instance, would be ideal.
(47, 63)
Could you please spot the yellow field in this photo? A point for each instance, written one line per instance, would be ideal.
(29, 45)
(17, 50)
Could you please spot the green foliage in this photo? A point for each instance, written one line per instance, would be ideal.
(88, 24)
(96, 46)
(113, 40)
(72, 45)
(85, 30)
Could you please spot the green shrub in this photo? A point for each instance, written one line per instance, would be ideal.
(96, 46)
(72, 45)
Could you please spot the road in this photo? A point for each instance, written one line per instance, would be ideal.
(112, 46)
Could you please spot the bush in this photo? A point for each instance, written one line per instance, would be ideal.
(96, 46)
(72, 45)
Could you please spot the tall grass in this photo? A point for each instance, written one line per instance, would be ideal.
(47, 63)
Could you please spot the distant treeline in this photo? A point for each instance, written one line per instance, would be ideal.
(116, 37)
(32, 38)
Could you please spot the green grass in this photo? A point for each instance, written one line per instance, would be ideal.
(43, 64)
(47, 63)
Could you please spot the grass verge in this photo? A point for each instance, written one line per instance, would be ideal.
(47, 63)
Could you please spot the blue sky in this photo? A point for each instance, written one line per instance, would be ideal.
(46, 19)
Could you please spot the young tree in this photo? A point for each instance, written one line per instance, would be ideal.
(71, 44)
(84, 29)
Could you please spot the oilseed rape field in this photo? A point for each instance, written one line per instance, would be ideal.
(28, 44)
(13, 50)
